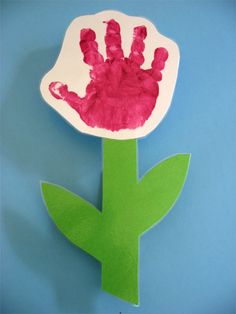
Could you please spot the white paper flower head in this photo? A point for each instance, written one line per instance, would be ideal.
(114, 77)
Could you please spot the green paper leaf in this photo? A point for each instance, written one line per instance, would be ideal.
(76, 218)
(130, 207)
(159, 189)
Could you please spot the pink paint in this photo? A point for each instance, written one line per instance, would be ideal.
(137, 47)
(89, 47)
(113, 41)
(120, 94)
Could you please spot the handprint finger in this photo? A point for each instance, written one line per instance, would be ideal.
(158, 64)
(113, 41)
(137, 47)
(89, 47)
(60, 91)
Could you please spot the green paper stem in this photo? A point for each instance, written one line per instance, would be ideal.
(120, 265)
(130, 207)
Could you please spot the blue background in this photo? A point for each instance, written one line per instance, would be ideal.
(187, 261)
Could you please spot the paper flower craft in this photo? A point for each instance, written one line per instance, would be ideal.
(120, 98)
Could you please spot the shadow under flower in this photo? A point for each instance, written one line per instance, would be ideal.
(32, 135)
(74, 275)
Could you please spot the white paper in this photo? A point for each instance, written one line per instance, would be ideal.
(71, 70)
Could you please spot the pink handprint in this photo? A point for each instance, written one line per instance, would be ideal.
(120, 94)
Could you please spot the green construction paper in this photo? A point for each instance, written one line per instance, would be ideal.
(130, 207)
